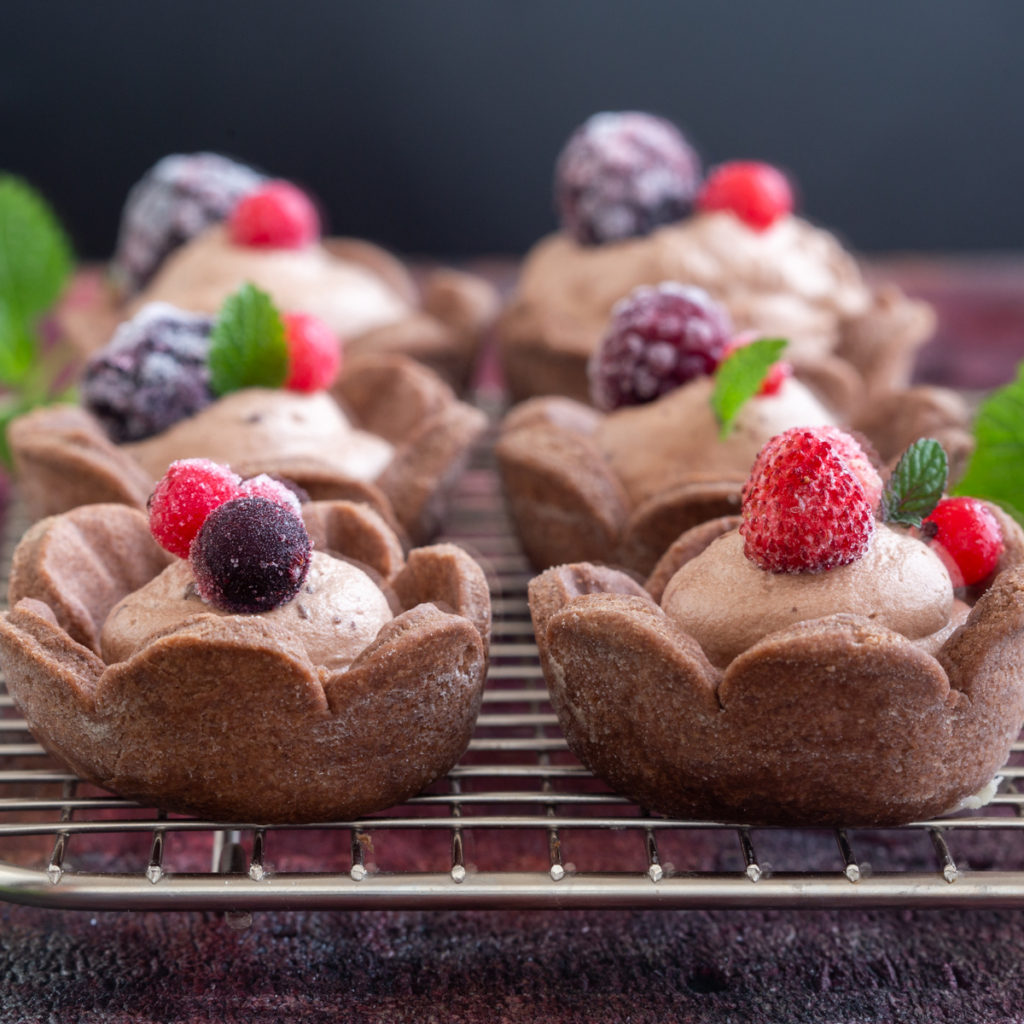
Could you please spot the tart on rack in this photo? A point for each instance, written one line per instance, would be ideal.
(294, 669)
(198, 226)
(635, 211)
(806, 663)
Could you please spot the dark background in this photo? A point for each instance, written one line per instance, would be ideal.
(432, 126)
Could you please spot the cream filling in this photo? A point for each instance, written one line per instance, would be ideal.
(653, 446)
(726, 603)
(335, 615)
(260, 425)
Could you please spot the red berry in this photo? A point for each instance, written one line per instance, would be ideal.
(804, 509)
(279, 215)
(314, 352)
(659, 338)
(184, 497)
(757, 193)
(967, 538)
(264, 486)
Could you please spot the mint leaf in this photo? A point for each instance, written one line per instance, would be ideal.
(740, 376)
(17, 347)
(916, 484)
(994, 469)
(35, 257)
(247, 347)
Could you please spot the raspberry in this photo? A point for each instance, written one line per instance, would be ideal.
(184, 497)
(659, 337)
(804, 508)
(279, 215)
(174, 201)
(251, 555)
(757, 193)
(151, 374)
(967, 537)
(264, 486)
(621, 175)
(314, 353)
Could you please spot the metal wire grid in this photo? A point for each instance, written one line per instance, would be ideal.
(513, 817)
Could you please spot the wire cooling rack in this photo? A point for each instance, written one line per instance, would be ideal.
(517, 823)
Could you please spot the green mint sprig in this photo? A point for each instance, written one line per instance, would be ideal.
(35, 264)
(247, 346)
(739, 377)
(995, 470)
(916, 484)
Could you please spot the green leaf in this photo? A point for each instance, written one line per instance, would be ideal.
(247, 348)
(995, 471)
(739, 377)
(916, 484)
(35, 257)
(17, 348)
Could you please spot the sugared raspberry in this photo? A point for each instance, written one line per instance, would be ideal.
(757, 193)
(967, 537)
(314, 352)
(804, 508)
(151, 374)
(659, 337)
(251, 555)
(279, 215)
(269, 487)
(184, 497)
(174, 201)
(621, 175)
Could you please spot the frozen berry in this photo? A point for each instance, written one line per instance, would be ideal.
(757, 193)
(269, 487)
(659, 337)
(184, 497)
(967, 537)
(151, 374)
(251, 555)
(314, 352)
(178, 198)
(621, 175)
(279, 215)
(804, 509)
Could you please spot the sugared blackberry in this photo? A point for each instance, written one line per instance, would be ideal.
(660, 337)
(151, 374)
(621, 175)
(177, 198)
(250, 555)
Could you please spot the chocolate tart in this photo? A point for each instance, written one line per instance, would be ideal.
(226, 716)
(63, 458)
(835, 721)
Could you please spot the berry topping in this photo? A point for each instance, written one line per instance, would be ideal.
(804, 506)
(279, 215)
(314, 352)
(151, 374)
(178, 198)
(621, 175)
(659, 338)
(269, 487)
(251, 555)
(757, 193)
(184, 497)
(967, 537)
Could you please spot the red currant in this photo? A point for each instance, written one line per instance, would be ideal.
(967, 537)
(184, 497)
(279, 215)
(314, 353)
(757, 193)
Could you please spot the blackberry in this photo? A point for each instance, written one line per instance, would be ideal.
(250, 555)
(180, 196)
(152, 374)
(621, 175)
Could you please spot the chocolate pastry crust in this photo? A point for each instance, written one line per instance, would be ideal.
(225, 716)
(829, 722)
(568, 505)
(63, 458)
